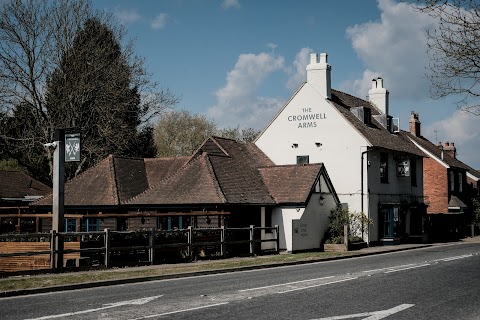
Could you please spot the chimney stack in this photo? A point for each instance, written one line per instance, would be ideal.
(319, 74)
(414, 124)
(378, 95)
(450, 149)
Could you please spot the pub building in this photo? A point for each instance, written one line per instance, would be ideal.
(374, 168)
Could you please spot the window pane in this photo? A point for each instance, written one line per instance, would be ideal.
(384, 167)
(303, 159)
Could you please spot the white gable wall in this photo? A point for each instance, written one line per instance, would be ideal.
(303, 228)
(340, 149)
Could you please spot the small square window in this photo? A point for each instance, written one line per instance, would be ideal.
(303, 159)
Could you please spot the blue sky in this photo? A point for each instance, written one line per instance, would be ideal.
(239, 61)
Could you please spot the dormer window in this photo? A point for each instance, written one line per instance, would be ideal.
(367, 116)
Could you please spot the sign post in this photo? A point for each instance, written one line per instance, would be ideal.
(58, 195)
(67, 148)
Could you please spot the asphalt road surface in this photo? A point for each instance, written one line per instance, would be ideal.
(440, 282)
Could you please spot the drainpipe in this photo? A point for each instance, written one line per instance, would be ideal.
(361, 185)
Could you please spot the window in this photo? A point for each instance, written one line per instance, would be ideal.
(303, 159)
(90, 224)
(383, 167)
(413, 172)
(452, 181)
(460, 189)
(367, 116)
(70, 225)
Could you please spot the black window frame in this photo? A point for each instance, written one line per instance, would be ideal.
(413, 172)
(383, 167)
(299, 158)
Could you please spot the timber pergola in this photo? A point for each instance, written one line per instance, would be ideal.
(26, 212)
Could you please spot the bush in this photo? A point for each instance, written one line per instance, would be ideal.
(357, 222)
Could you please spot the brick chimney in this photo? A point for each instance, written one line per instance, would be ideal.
(319, 74)
(378, 95)
(441, 149)
(450, 149)
(414, 124)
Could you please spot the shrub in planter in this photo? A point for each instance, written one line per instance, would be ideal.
(358, 224)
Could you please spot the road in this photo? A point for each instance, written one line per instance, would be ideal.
(440, 282)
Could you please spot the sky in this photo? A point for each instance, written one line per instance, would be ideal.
(239, 61)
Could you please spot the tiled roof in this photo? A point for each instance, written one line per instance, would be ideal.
(437, 152)
(194, 183)
(222, 171)
(110, 182)
(375, 133)
(291, 183)
(159, 169)
(16, 184)
(238, 174)
(455, 202)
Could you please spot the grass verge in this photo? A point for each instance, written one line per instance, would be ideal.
(50, 280)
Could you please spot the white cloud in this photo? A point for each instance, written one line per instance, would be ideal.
(297, 73)
(127, 16)
(236, 101)
(228, 4)
(395, 49)
(159, 22)
(462, 129)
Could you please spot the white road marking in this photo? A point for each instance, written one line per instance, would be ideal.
(454, 258)
(389, 268)
(106, 306)
(413, 267)
(285, 284)
(318, 285)
(371, 315)
(179, 311)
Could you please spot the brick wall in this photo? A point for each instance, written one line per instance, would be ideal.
(435, 185)
(473, 187)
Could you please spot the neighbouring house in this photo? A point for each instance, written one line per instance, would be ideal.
(224, 183)
(448, 183)
(374, 168)
(17, 191)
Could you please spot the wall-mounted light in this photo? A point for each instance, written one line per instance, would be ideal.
(321, 199)
(295, 145)
(318, 144)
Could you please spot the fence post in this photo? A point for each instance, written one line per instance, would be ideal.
(345, 235)
(252, 240)
(223, 244)
(107, 248)
(151, 249)
(277, 239)
(52, 249)
(190, 242)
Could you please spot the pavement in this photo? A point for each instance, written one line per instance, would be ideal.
(357, 253)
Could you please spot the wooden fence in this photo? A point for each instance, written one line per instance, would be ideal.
(105, 249)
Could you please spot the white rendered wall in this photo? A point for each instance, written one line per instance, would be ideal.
(303, 228)
(308, 231)
(340, 149)
(326, 136)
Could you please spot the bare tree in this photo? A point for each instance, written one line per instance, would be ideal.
(179, 133)
(454, 51)
(244, 135)
(36, 36)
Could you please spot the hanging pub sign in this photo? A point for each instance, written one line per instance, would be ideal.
(72, 147)
(403, 168)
